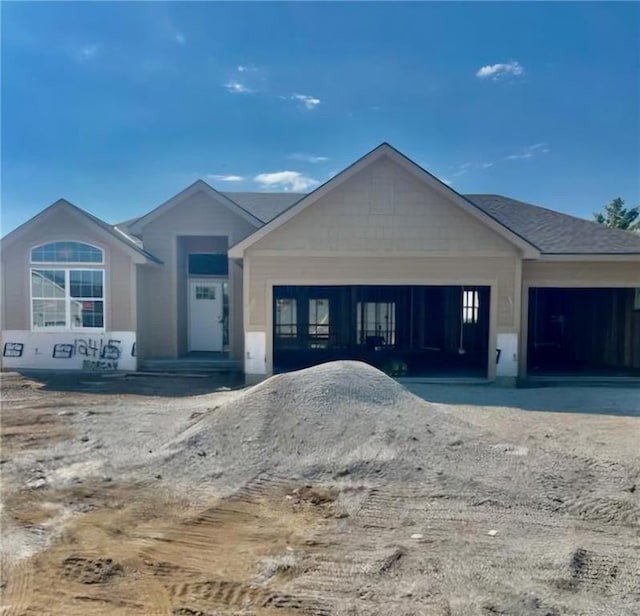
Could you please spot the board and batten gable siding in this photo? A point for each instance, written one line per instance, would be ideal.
(120, 272)
(384, 208)
(198, 214)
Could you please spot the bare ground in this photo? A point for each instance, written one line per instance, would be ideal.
(86, 532)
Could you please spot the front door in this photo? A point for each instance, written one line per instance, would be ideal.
(206, 322)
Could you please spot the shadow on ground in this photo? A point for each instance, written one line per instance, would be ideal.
(610, 400)
(166, 385)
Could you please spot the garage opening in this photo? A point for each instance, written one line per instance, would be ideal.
(584, 331)
(406, 330)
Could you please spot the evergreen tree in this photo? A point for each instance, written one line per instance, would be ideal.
(617, 216)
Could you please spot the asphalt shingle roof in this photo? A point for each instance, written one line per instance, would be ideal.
(556, 233)
(264, 206)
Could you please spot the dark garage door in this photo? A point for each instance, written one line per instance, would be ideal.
(584, 331)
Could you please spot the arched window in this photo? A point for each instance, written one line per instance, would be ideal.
(67, 298)
(66, 252)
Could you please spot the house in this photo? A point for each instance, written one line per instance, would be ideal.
(383, 263)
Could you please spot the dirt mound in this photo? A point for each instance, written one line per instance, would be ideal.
(333, 420)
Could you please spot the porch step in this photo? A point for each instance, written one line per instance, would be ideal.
(201, 365)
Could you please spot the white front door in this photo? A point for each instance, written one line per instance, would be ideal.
(206, 322)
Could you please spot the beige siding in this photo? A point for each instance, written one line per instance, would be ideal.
(384, 208)
(61, 224)
(162, 330)
(581, 274)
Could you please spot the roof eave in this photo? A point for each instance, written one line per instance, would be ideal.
(589, 256)
(138, 255)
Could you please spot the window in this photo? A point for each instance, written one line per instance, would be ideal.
(66, 298)
(376, 323)
(470, 306)
(208, 264)
(66, 252)
(205, 292)
(286, 318)
(318, 323)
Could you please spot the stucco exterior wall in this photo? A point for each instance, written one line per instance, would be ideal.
(159, 333)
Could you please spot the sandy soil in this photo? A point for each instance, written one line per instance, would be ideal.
(92, 524)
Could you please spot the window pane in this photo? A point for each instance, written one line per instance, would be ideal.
(286, 318)
(66, 252)
(205, 292)
(86, 283)
(470, 306)
(47, 283)
(87, 313)
(377, 323)
(49, 313)
(319, 318)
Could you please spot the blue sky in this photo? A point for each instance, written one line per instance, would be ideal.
(118, 106)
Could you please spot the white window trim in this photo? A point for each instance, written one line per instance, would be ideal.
(81, 264)
(67, 298)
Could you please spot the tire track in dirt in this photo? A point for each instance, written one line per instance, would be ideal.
(19, 584)
(226, 593)
(207, 561)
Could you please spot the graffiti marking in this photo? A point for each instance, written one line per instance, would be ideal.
(12, 349)
(63, 351)
(99, 364)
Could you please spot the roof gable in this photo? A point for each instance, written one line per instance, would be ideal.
(385, 150)
(109, 233)
(138, 225)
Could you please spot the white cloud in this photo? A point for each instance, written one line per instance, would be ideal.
(237, 88)
(225, 178)
(466, 167)
(310, 102)
(528, 151)
(180, 38)
(308, 158)
(247, 68)
(285, 180)
(497, 71)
